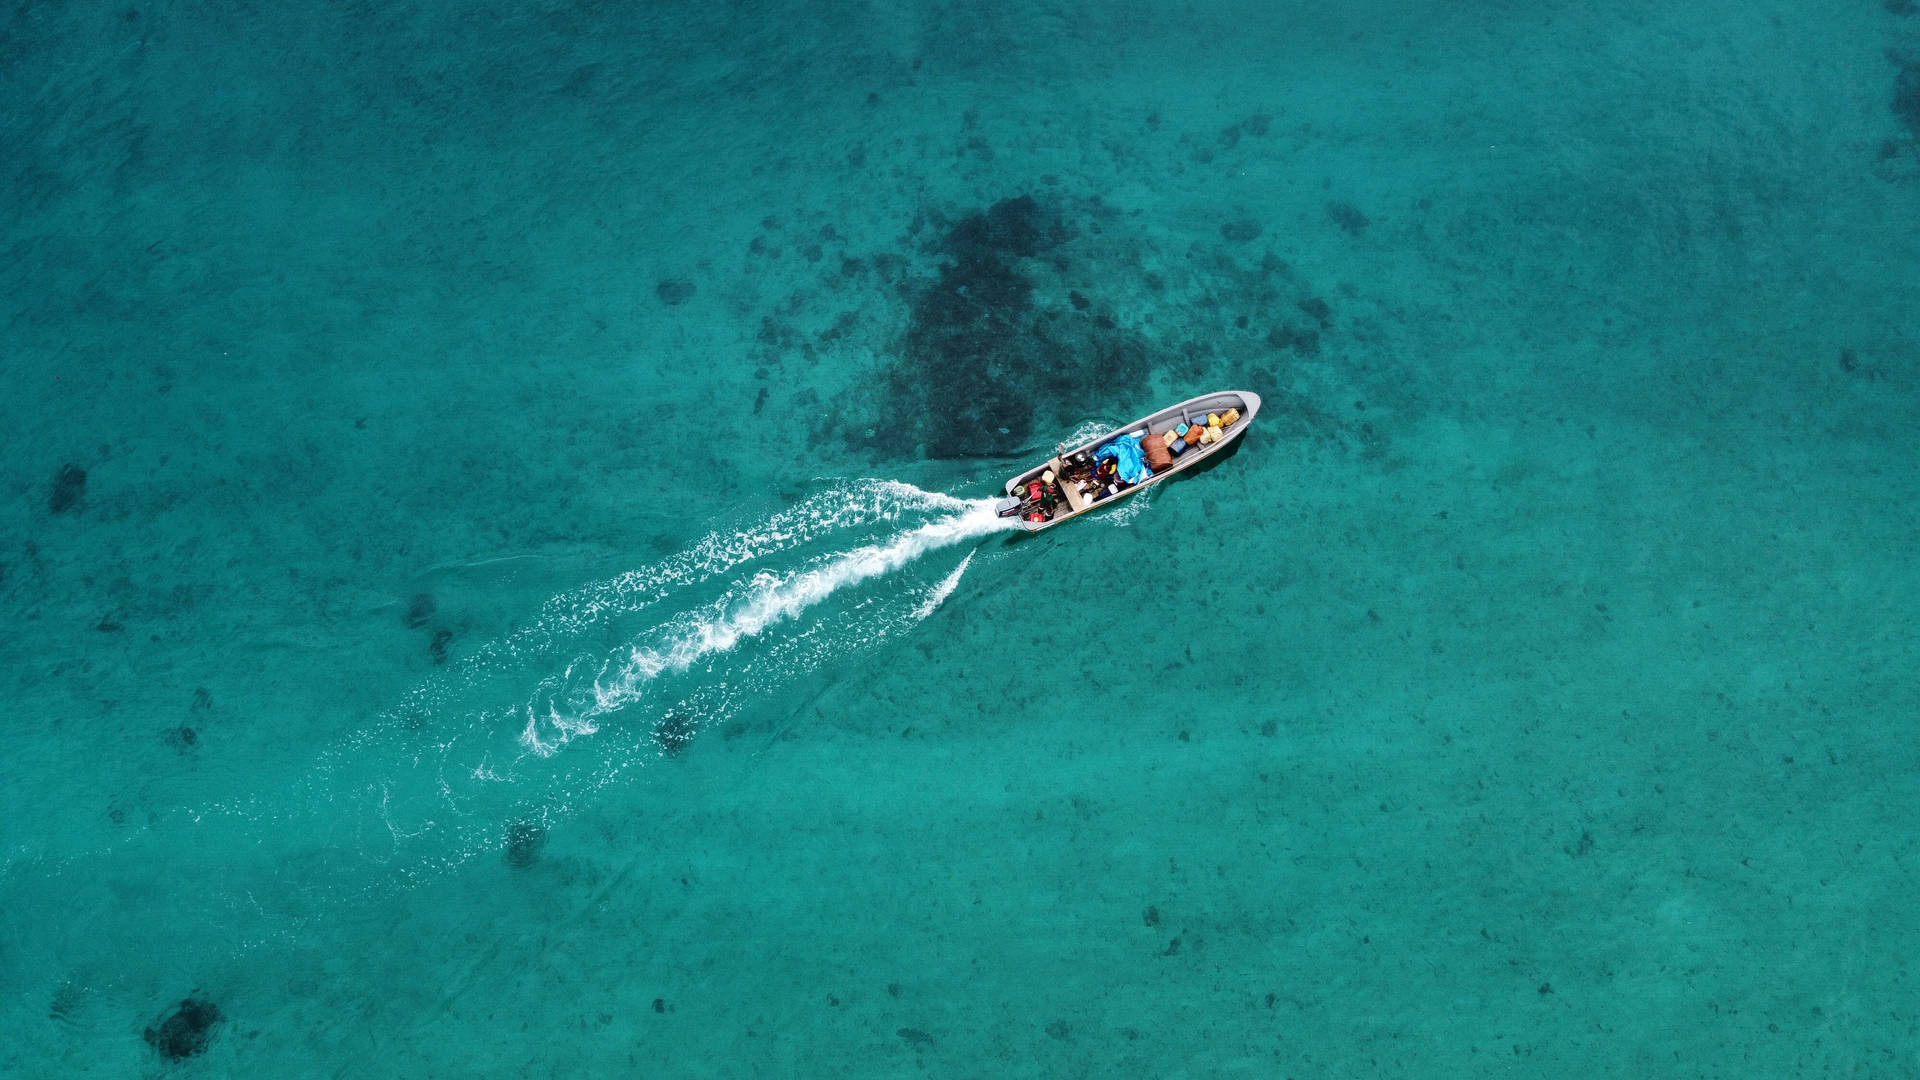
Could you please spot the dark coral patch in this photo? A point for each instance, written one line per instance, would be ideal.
(420, 609)
(186, 1030)
(1303, 342)
(69, 484)
(675, 730)
(1906, 95)
(1019, 227)
(525, 841)
(1241, 231)
(437, 648)
(967, 342)
(980, 355)
(1348, 217)
(675, 291)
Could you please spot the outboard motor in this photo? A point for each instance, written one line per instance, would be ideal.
(1037, 506)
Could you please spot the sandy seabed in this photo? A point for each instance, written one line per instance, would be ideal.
(1533, 691)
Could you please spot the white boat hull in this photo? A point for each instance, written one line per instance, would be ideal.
(1153, 424)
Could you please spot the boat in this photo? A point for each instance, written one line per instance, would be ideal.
(1092, 475)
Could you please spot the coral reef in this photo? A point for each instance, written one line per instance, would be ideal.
(1348, 217)
(980, 359)
(525, 841)
(674, 291)
(1240, 231)
(1906, 96)
(69, 484)
(420, 610)
(185, 1031)
(675, 730)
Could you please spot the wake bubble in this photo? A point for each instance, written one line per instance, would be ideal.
(767, 599)
(738, 633)
(619, 674)
(839, 508)
(943, 590)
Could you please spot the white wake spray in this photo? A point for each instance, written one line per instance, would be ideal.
(768, 599)
(650, 659)
(943, 590)
(839, 507)
(616, 676)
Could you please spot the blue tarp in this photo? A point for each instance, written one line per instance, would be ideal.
(1132, 461)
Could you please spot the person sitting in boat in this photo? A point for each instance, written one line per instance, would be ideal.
(1106, 477)
(1042, 496)
(1120, 464)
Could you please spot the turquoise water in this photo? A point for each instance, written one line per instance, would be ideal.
(500, 579)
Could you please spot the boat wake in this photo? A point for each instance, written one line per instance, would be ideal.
(731, 636)
(620, 674)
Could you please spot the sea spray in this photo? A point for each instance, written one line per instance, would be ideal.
(939, 593)
(839, 507)
(771, 598)
(688, 638)
(742, 626)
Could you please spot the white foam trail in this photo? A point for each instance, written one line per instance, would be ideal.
(1088, 430)
(530, 726)
(836, 508)
(842, 505)
(769, 599)
(1134, 505)
(943, 590)
(444, 778)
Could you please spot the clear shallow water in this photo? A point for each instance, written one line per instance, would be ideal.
(496, 748)
(511, 621)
